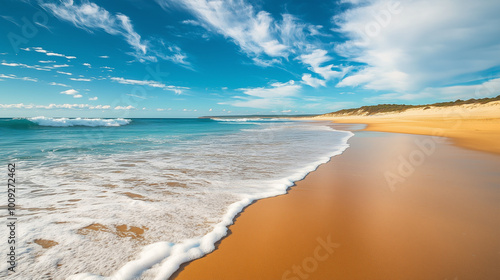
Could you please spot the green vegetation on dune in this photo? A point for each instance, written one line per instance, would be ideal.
(386, 108)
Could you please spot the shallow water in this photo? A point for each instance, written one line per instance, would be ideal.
(135, 198)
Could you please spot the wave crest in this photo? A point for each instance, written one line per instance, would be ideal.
(249, 119)
(64, 122)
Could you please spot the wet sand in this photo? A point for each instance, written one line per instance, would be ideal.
(388, 208)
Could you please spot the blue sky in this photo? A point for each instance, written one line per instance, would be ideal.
(190, 58)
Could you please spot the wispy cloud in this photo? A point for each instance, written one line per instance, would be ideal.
(87, 64)
(154, 84)
(22, 65)
(58, 84)
(129, 107)
(14, 77)
(309, 80)
(266, 40)
(255, 32)
(275, 96)
(489, 88)
(407, 52)
(48, 53)
(61, 106)
(72, 92)
(168, 51)
(64, 73)
(90, 16)
(103, 56)
(191, 22)
(93, 98)
(81, 79)
(69, 92)
(318, 57)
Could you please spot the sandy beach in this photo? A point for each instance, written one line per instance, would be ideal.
(392, 206)
(473, 126)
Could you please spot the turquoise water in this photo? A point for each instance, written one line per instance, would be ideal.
(29, 140)
(180, 180)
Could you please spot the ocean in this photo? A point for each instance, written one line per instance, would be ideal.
(135, 198)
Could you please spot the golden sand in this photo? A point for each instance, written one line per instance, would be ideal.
(120, 230)
(45, 243)
(347, 220)
(135, 196)
(475, 126)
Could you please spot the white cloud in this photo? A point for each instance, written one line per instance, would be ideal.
(22, 65)
(14, 77)
(103, 56)
(413, 46)
(93, 98)
(80, 79)
(49, 53)
(77, 96)
(58, 84)
(251, 30)
(488, 88)
(89, 16)
(138, 82)
(308, 79)
(191, 22)
(256, 32)
(129, 107)
(60, 65)
(276, 95)
(318, 57)
(266, 40)
(87, 64)
(174, 54)
(47, 61)
(100, 107)
(69, 92)
(54, 106)
(155, 84)
(65, 73)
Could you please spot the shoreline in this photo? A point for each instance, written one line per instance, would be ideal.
(208, 243)
(277, 220)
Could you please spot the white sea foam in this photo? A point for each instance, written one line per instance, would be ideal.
(188, 194)
(248, 119)
(63, 122)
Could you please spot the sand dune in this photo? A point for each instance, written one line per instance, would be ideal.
(473, 126)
